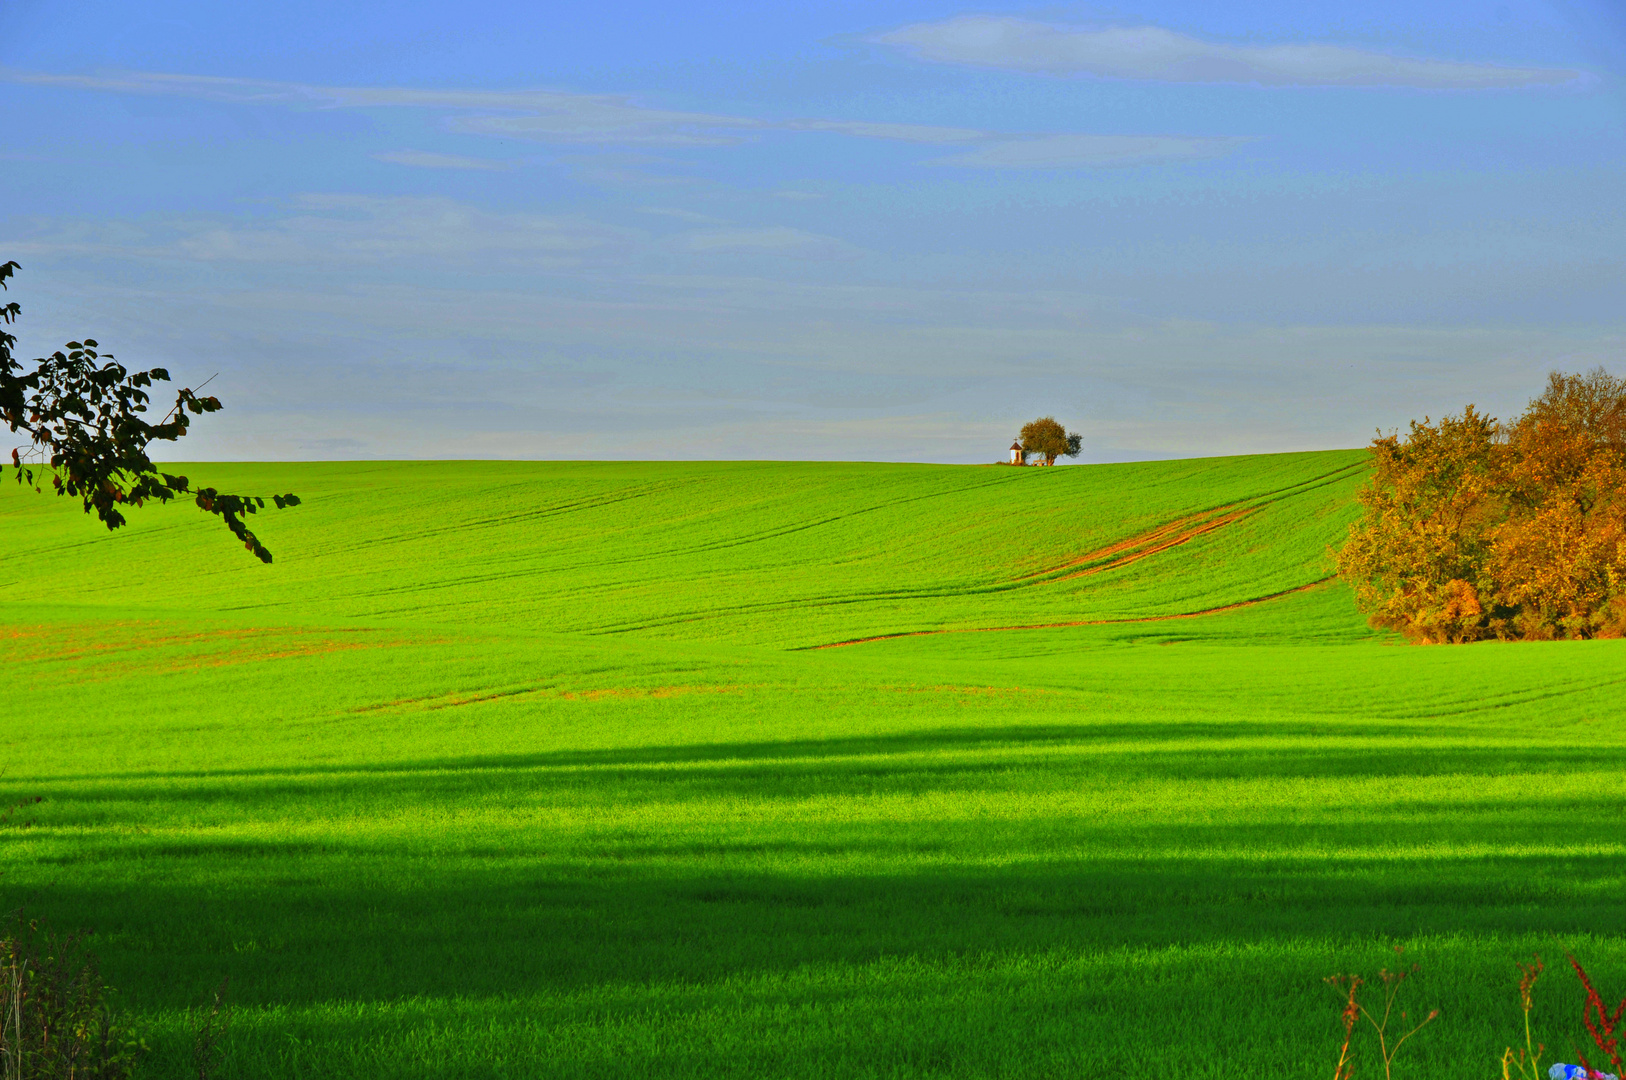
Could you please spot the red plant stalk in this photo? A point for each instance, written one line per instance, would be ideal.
(1601, 1024)
(1352, 1011)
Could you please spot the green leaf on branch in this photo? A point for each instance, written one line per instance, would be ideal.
(83, 413)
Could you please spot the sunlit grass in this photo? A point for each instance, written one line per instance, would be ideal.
(537, 824)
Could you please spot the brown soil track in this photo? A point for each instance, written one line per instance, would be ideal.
(1165, 544)
(1135, 548)
(1083, 622)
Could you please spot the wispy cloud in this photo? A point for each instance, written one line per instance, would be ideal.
(423, 159)
(771, 240)
(681, 215)
(353, 230)
(1092, 151)
(556, 116)
(371, 229)
(549, 115)
(915, 133)
(1151, 52)
(365, 231)
(581, 118)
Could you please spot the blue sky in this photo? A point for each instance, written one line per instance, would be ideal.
(888, 231)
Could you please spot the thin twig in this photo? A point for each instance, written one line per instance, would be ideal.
(178, 399)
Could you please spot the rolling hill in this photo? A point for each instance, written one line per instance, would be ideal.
(768, 553)
(788, 769)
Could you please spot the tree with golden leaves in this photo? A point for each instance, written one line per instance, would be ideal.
(1475, 529)
(1416, 560)
(1560, 555)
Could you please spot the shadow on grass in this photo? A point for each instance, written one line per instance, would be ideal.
(372, 905)
(1046, 776)
(958, 738)
(307, 923)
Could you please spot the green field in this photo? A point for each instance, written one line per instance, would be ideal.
(542, 770)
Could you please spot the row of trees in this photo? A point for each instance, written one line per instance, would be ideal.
(1476, 529)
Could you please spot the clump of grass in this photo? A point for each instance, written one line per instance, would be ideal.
(1348, 986)
(212, 1025)
(11, 811)
(56, 1022)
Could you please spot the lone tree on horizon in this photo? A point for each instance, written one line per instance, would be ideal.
(1049, 439)
(83, 414)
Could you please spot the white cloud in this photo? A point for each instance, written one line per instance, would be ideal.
(562, 117)
(1091, 151)
(915, 133)
(548, 115)
(772, 240)
(681, 215)
(1151, 52)
(423, 159)
(358, 229)
(580, 119)
(237, 91)
(380, 231)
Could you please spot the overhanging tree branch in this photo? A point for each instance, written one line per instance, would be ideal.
(83, 414)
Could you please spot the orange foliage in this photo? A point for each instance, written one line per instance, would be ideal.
(1475, 529)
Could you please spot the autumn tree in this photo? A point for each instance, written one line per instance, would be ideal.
(84, 416)
(1416, 559)
(1560, 555)
(1475, 529)
(1048, 439)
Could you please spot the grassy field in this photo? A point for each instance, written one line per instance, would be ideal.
(791, 770)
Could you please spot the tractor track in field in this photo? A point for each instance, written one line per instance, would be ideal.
(1118, 554)
(1080, 622)
(1135, 548)
(1172, 534)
